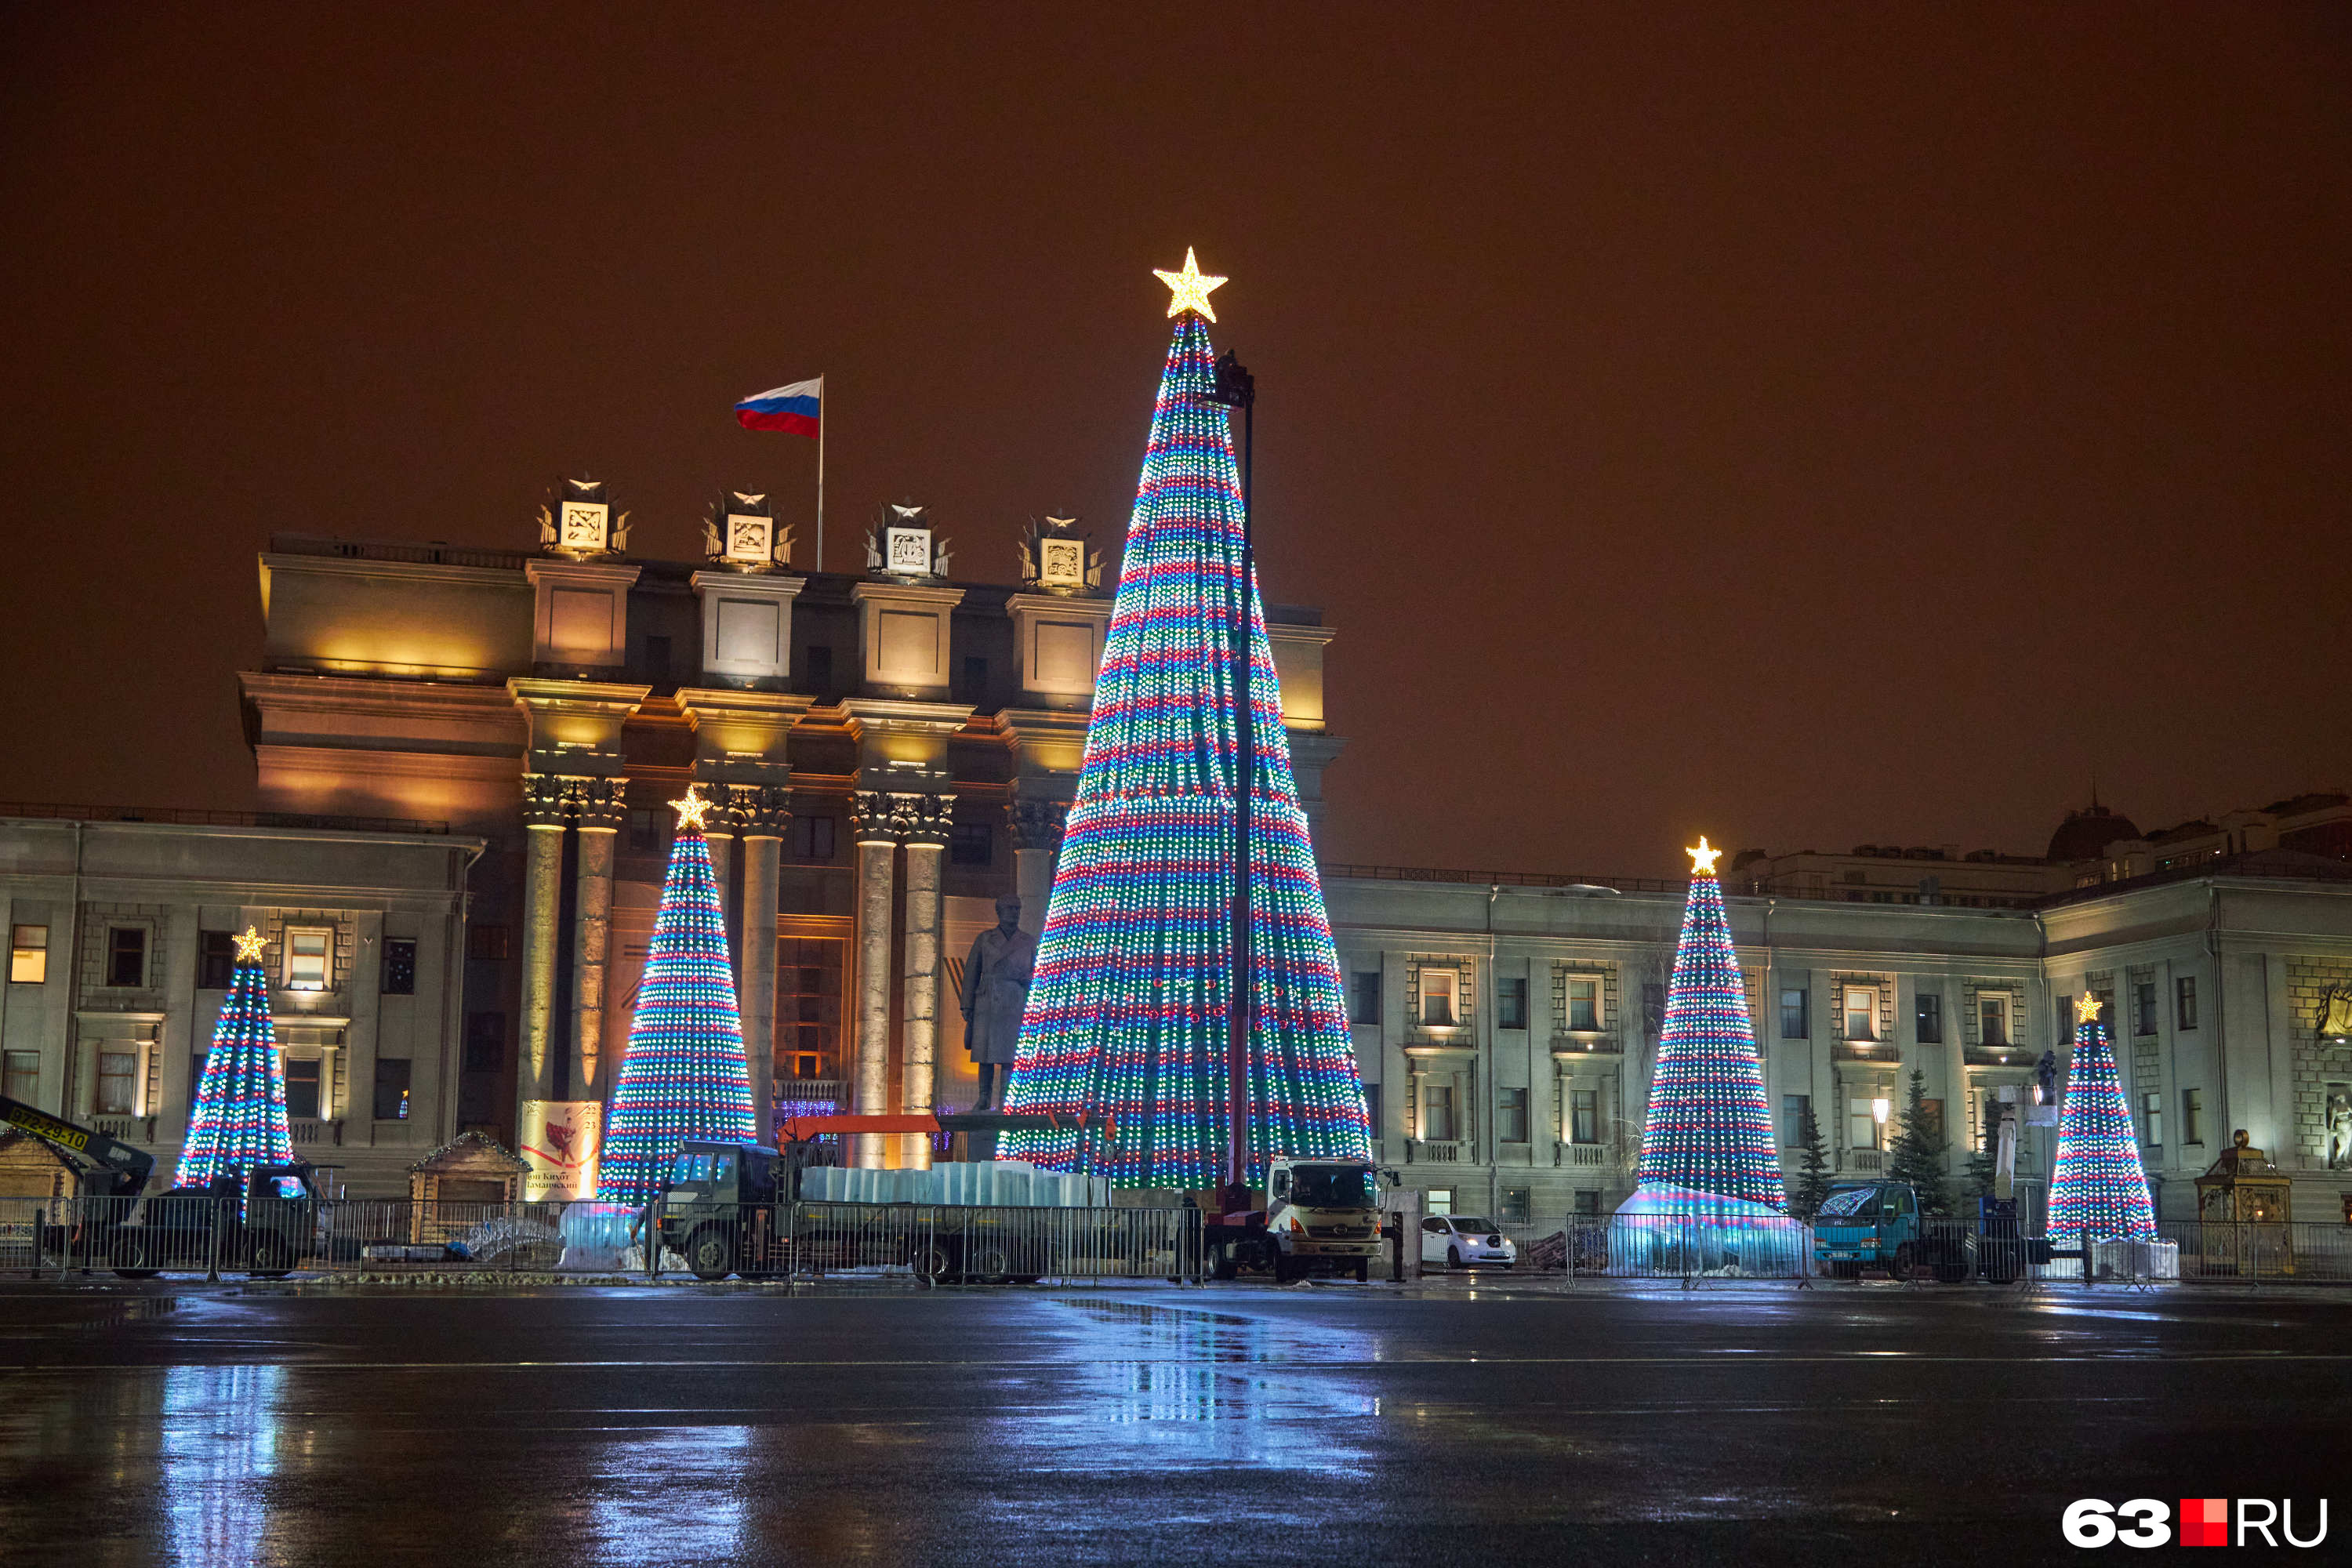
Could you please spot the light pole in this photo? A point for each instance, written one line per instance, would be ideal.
(1236, 388)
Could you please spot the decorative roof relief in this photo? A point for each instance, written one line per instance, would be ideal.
(576, 523)
(1055, 558)
(902, 549)
(741, 534)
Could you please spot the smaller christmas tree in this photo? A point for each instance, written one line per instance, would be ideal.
(1710, 1129)
(2097, 1187)
(1813, 1182)
(239, 1121)
(685, 1074)
(1918, 1156)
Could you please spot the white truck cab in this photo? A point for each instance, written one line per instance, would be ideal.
(1323, 1216)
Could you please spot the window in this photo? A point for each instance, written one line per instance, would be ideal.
(1511, 1004)
(1992, 1014)
(1861, 1013)
(971, 844)
(117, 1070)
(1511, 1115)
(2151, 1118)
(28, 954)
(1364, 998)
(812, 838)
(126, 955)
(1588, 1201)
(391, 1087)
(644, 833)
(306, 958)
(808, 997)
(485, 1042)
(1862, 1124)
(302, 1090)
(1930, 1016)
(657, 663)
(195, 1072)
(2192, 1116)
(1437, 997)
(488, 944)
(22, 1076)
(1654, 1007)
(1584, 1002)
(1436, 1113)
(1439, 1200)
(1794, 1025)
(2144, 1007)
(399, 966)
(1584, 1116)
(818, 663)
(1373, 1107)
(215, 960)
(1792, 1119)
(1516, 1206)
(802, 1065)
(971, 681)
(2184, 1002)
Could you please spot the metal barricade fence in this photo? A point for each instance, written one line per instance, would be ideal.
(941, 1244)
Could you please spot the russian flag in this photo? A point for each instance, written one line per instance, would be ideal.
(796, 408)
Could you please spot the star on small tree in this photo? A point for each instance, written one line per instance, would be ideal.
(1812, 1183)
(1915, 1160)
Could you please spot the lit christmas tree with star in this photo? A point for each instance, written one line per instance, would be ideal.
(239, 1121)
(1710, 1133)
(2097, 1184)
(685, 1074)
(1128, 1021)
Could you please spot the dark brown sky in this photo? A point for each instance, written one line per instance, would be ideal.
(1853, 427)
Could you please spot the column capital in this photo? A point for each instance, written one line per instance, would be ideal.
(1038, 824)
(930, 819)
(602, 804)
(546, 800)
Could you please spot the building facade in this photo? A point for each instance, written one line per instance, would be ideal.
(1507, 1031)
(119, 959)
(890, 753)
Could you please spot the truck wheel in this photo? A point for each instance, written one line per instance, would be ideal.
(988, 1263)
(272, 1258)
(130, 1255)
(1285, 1271)
(1363, 1270)
(1221, 1261)
(935, 1262)
(712, 1254)
(1904, 1262)
(1951, 1273)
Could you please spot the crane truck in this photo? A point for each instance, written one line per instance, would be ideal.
(267, 1234)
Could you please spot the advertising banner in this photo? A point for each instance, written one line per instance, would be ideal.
(560, 1140)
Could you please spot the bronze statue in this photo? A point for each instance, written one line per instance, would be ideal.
(997, 976)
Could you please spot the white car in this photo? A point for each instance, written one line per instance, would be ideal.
(1462, 1241)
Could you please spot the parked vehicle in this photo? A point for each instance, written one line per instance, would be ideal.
(1321, 1216)
(1878, 1225)
(1465, 1241)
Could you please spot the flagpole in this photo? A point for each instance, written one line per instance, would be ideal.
(822, 419)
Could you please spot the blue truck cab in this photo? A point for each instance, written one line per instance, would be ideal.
(1870, 1224)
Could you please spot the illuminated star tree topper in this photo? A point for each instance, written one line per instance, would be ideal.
(1189, 290)
(685, 1074)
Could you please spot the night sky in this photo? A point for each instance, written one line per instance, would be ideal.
(1858, 427)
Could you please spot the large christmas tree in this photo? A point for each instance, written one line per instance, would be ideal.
(239, 1121)
(1127, 1024)
(2098, 1184)
(1710, 1128)
(685, 1074)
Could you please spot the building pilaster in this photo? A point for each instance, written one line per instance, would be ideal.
(874, 830)
(1037, 827)
(543, 872)
(927, 836)
(602, 808)
(768, 813)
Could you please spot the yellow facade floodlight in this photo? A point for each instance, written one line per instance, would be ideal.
(1189, 290)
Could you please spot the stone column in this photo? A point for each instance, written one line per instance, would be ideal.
(543, 870)
(1036, 842)
(721, 838)
(874, 829)
(763, 845)
(927, 839)
(602, 809)
(85, 1092)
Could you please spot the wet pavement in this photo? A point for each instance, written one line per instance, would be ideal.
(1464, 1420)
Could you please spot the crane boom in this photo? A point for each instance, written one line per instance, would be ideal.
(108, 1164)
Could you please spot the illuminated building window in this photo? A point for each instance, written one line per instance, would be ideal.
(808, 1005)
(1439, 988)
(1436, 1113)
(1513, 1206)
(306, 958)
(28, 954)
(2184, 1002)
(117, 1072)
(1795, 1024)
(1511, 1115)
(1584, 1002)
(1862, 1124)
(2151, 1116)
(391, 1088)
(2144, 1007)
(1930, 1016)
(2192, 1116)
(1993, 1016)
(1861, 1013)
(1439, 1200)
(22, 1078)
